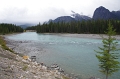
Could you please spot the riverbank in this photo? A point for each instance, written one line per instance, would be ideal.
(40, 48)
(13, 66)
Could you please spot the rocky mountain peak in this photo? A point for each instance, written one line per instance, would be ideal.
(103, 13)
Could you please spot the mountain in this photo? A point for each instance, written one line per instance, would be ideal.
(79, 17)
(64, 19)
(100, 13)
(103, 13)
(117, 13)
(74, 17)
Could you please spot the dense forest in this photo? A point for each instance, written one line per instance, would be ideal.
(9, 28)
(89, 27)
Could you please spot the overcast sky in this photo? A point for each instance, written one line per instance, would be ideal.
(35, 11)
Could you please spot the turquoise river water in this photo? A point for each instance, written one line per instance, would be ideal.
(74, 55)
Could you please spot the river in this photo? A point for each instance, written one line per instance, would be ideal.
(75, 55)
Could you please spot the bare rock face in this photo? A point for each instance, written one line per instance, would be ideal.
(103, 13)
(117, 13)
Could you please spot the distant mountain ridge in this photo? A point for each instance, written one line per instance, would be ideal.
(25, 25)
(100, 13)
(74, 17)
(117, 13)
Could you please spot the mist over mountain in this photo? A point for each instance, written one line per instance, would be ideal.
(74, 17)
(25, 25)
(79, 17)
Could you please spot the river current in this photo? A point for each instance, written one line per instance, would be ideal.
(75, 55)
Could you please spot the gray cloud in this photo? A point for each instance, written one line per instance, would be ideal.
(35, 11)
(13, 14)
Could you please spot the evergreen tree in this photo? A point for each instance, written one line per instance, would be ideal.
(9, 28)
(108, 55)
(90, 26)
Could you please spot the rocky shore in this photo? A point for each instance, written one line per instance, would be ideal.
(13, 66)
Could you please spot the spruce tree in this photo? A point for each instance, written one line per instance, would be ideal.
(108, 56)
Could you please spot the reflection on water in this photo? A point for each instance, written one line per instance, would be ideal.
(74, 55)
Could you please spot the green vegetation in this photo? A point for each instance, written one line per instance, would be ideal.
(90, 26)
(108, 55)
(3, 44)
(25, 67)
(6, 29)
(65, 77)
(9, 28)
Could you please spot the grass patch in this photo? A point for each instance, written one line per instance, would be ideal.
(3, 44)
(25, 67)
(57, 78)
(65, 77)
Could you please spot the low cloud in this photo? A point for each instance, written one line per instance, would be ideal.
(13, 14)
(35, 11)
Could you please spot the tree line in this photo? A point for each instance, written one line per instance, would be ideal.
(90, 26)
(9, 28)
